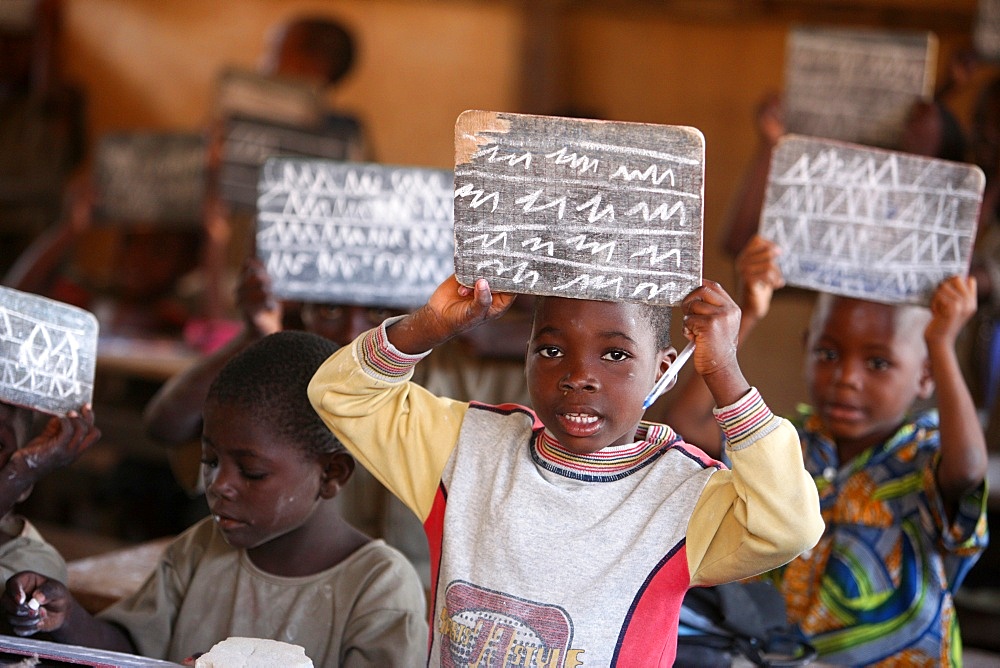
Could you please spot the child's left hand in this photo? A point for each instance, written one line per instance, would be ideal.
(712, 323)
(61, 442)
(953, 304)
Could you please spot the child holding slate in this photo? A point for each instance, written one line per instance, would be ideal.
(275, 559)
(903, 493)
(23, 462)
(570, 534)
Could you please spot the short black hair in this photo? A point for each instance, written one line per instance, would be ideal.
(327, 41)
(658, 317)
(268, 380)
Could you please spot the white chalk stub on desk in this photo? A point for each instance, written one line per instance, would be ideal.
(869, 223)
(354, 233)
(48, 353)
(579, 208)
(151, 178)
(856, 85)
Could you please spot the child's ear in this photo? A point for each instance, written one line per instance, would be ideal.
(667, 357)
(337, 470)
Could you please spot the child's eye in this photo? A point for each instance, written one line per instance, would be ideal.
(209, 462)
(253, 475)
(824, 355)
(549, 351)
(878, 364)
(615, 355)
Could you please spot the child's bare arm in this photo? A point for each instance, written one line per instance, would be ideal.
(451, 310)
(963, 446)
(34, 604)
(62, 440)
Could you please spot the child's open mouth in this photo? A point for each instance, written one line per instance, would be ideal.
(579, 424)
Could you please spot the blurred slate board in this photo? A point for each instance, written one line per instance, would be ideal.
(48, 353)
(354, 233)
(579, 208)
(48, 654)
(151, 178)
(268, 98)
(249, 141)
(986, 30)
(856, 85)
(869, 223)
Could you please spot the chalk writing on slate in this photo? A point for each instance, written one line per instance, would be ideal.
(49, 653)
(154, 178)
(986, 31)
(869, 223)
(248, 142)
(278, 99)
(856, 85)
(48, 353)
(578, 208)
(354, 233)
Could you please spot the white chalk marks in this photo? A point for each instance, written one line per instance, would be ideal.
(856, 85)
(355, 233)
(48, 353)
(578, 208)
(869, 223)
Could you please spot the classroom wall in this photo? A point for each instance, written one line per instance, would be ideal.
(149, 63)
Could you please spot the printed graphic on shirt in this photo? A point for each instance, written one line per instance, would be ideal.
(489, 629)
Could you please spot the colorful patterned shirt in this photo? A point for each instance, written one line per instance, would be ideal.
(877, 589)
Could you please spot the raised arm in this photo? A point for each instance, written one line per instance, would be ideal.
(963, 462)
(690, 414)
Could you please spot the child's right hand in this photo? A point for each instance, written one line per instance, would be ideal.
(760, 276)
(451, 310)
(32, 603)
(261, 311)
(62, 440)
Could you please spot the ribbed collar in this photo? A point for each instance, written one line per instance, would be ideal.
(609, 464)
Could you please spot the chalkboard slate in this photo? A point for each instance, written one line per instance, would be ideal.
(869, 223)
(354, 233)
(268, 98)
(248, 142)
(856, 85)
(579, 208)
(18, 16)
(986, 32)
(55, 654)
(48, 353)
(148, 177)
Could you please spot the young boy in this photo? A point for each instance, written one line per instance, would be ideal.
(23, 462)
(568, 536)
(275, 559)
(902, 491)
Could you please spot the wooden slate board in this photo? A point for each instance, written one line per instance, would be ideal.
(149, 177)
(856, 85)
(986, 30)
(354, 233)
(48, 353)
(248, 142)
(579, 208)
(269, 98)
(58, 654)
(869, 223)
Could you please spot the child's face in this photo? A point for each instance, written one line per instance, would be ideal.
(259, 487)
(865, 365)
(590, 365)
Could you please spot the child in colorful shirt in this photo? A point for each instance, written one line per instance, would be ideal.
(902, 491)
(567, 535)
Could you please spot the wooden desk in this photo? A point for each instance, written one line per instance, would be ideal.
(151, 359)
(99, 581)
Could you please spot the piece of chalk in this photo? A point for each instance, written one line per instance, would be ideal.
(34, 604)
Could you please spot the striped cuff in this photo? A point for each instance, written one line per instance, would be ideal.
(745, 421)
(381, 359)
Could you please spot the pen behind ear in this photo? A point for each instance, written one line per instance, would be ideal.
(669, 376)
